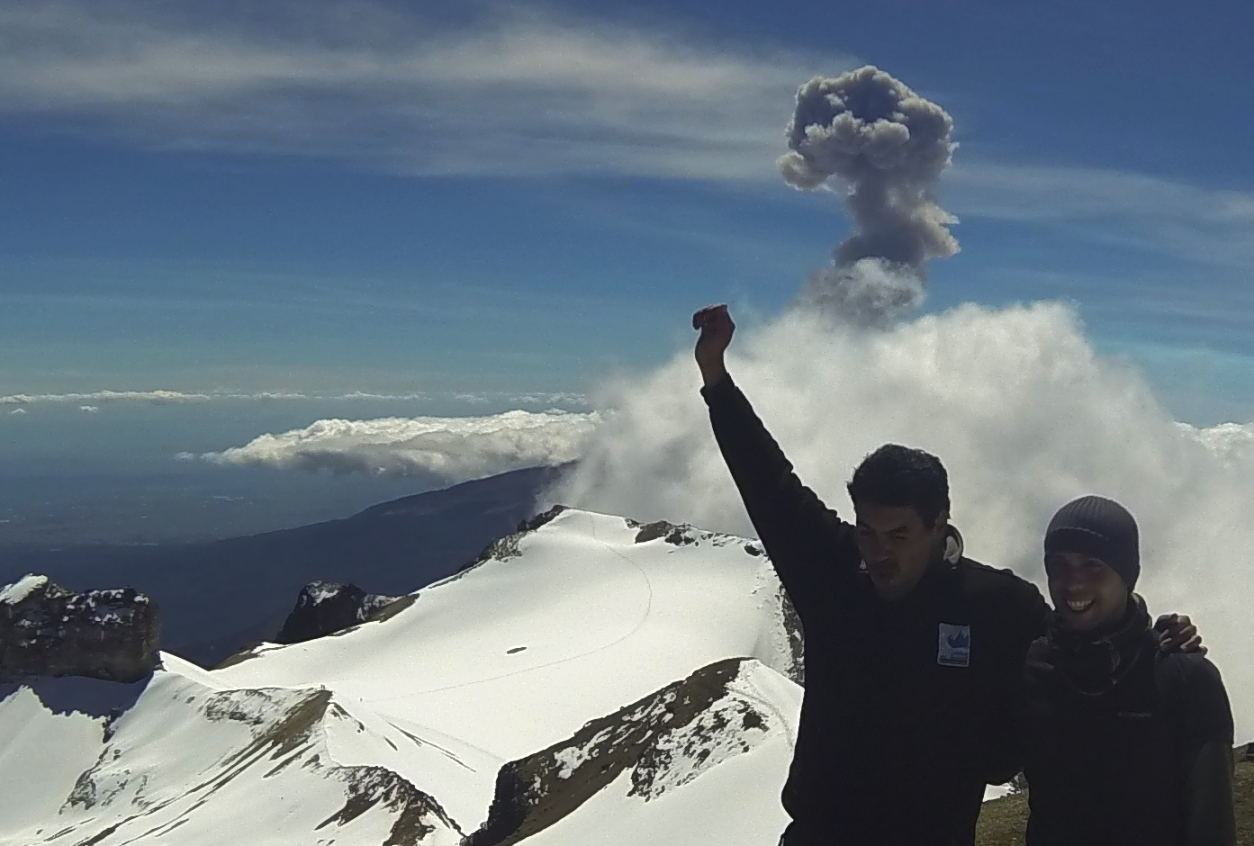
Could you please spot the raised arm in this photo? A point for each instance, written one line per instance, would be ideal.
(800, 533)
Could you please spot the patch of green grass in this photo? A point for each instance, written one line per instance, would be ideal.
(1243, 795)
(1002, 821)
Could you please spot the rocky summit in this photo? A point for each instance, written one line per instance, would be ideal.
(47, 630)
(325, 608)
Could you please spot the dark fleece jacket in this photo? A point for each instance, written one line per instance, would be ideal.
(1126, 746)
(909, 706)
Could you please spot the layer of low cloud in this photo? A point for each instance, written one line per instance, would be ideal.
(1016, 402)
(155, 397)
(450, 449)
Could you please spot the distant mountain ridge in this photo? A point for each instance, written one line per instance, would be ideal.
(217, 596)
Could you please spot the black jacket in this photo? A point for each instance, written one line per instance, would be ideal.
(909, 706)
(1126, 746)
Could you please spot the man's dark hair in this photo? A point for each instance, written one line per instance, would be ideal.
(902, 477)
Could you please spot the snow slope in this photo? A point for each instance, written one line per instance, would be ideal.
(590, 681)
(597, 619)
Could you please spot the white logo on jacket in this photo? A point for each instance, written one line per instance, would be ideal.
(955, 646)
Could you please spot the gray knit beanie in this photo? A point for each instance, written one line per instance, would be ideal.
(1099, 527)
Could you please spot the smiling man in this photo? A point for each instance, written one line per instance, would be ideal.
(1125, 745)
(914, 653)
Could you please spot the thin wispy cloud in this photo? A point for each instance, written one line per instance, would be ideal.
(1138, 210)
(511, 93)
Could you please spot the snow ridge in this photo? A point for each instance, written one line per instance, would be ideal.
(199, 760)
(22, 588)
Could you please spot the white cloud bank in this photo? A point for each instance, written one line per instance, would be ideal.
(452, 449)
(1022, 411)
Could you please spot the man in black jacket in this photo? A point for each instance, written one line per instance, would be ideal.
(914, 653)
(1126, 746)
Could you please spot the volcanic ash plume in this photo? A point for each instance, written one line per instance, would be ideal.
(887, 146)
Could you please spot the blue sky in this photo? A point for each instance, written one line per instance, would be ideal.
(480, 201)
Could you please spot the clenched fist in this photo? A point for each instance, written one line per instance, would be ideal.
(717, 328)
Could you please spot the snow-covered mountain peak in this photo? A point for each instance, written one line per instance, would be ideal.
(576, 604)
(185, 755)
(585, 670)
(17, 592)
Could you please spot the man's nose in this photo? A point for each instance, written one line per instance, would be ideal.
(1073, 577)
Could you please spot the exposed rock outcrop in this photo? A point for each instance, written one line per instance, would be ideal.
(325, 608)
(506, 547)
(676, 535)
(47, 630)
(665, 740)
(796, 669)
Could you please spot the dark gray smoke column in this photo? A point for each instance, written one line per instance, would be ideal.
(887, 146)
